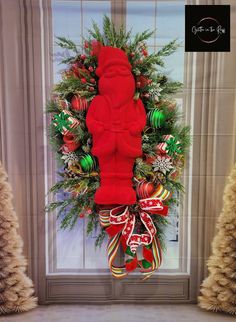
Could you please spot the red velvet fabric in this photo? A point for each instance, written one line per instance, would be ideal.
(115, 121)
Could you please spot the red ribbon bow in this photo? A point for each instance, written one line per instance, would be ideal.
(122, 220)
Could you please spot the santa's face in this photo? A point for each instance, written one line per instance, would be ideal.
(118, 83)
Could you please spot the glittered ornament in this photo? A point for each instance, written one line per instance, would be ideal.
(159, 178)
(87, 162)
(145, 189)
(149, 159)
(175, 174)
(156, 118)
(70, 143)
(63, 104)
(79, 103)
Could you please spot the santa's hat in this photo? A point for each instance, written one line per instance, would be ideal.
(111, 56)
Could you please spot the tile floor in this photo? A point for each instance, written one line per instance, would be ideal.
(118, 313)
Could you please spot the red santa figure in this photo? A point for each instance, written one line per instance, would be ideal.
(115, 121)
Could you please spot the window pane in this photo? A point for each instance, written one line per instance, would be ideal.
(175, 65)
(67, 19)
(141, 12)
(166, 18)
(72, 250)
(94, 11)
(169, 21)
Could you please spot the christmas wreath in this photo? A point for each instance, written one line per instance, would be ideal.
(117, 134)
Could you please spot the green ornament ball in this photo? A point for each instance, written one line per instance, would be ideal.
(87, 162)
(156, 118)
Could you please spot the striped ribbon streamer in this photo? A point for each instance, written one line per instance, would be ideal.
(161, 193)
(112, 248)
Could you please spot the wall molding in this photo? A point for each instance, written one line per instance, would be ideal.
(103, 289)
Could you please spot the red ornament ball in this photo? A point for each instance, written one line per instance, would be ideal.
(145, 189)
(79, 103)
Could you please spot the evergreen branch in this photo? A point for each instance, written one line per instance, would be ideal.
(169, 48)
(66, 43)
(140, 37)
(70, 218)
(64, 184)
(53, 205)
(95, 33)
(171, 88)
(142, 169)
(68, 60)
(100, 238)
(52, 107)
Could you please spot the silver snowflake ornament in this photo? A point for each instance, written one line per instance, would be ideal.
(70, 158)
(162, 164)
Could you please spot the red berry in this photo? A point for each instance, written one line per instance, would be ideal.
(86, 44)
(81, 215)
(91, 89)
(83, 57)
(90, 69)
(138, 84)
(145, 53)
(132, 54)
(83, 80)
(96, 47)
(92, 80)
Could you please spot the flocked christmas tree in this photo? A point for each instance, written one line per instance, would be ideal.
(156, 173)
(16, 289)
(218, 290)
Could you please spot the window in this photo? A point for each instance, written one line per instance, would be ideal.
(73, 251)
